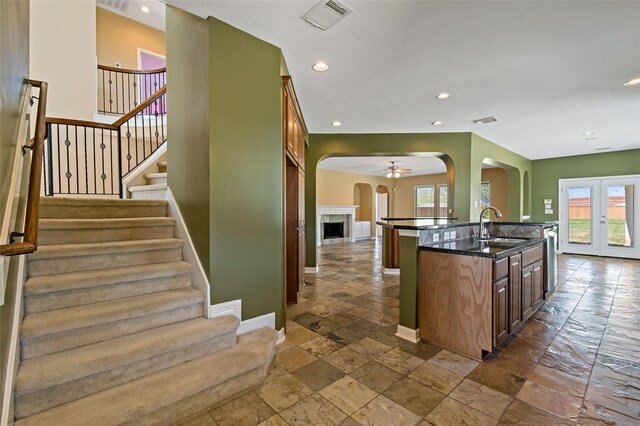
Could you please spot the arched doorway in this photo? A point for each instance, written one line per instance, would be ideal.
(382, 206)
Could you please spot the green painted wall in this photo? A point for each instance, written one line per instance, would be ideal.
(515, 166)
(245, 171)
(14, 69)
(546, 173)
(188, 124)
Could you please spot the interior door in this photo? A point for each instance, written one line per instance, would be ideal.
(600, 217)
(382, 200)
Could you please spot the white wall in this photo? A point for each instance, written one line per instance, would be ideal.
(63, 53)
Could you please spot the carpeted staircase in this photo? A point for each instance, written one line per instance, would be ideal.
(155, 185)
(113, 331)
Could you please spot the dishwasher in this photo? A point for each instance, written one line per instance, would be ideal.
(551, 234)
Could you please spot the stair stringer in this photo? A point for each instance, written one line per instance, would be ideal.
(199, 278)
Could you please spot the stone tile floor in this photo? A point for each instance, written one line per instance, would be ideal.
(576, 361)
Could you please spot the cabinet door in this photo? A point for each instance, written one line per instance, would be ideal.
(527, 292)
(515, 306)
(537, 285)
(500, 311)
(301, 150)
(290, 128)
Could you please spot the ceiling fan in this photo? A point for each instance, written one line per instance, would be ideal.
(394, 171)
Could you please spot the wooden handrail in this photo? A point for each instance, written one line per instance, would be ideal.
(29, 242)
(128, 116)
(128, 71)
(116, 124)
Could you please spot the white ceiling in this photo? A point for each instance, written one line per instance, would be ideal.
(551, 70)
(132, 9)
(375, 166)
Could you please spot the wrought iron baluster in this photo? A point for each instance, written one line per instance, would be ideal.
(86, 168)
(110, 93)
(59, 155)
(95, 171)
(50, 157)
(118, 146)
(103, 176)
(77, 165)
(67, 143)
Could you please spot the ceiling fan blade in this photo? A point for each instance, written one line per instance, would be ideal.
(404, 170)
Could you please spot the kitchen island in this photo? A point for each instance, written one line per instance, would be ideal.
(465, 293)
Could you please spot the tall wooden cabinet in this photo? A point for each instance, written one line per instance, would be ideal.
(295, 132)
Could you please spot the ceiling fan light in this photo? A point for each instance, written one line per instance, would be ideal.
(389, 175)
(396, 174)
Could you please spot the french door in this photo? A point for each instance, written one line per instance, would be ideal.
(601, 216)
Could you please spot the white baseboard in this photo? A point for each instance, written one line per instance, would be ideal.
(311, 269)
(266, 320)
(389, 271)
(233, 307)
(408, 334)
(281, 336)
(189, 254)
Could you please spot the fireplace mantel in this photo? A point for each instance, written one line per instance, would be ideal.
(349, 211)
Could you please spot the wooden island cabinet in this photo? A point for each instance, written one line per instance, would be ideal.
(471, 304)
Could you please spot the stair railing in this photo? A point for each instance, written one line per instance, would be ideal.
(91, 158)
(120, 90)
(29, 235)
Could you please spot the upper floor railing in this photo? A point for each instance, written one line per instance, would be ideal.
(29, 233)
(91, 158)
(120, 90)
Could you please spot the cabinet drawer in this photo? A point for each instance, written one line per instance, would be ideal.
(500, 269)
(531, 255)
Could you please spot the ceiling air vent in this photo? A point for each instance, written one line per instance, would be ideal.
(486, 120)
(326, 14)
(114, 4)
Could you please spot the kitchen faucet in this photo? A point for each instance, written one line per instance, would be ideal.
(484, 232)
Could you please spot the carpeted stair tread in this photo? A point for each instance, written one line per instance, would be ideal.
(61, 320)
(87, 249)
(55, 379)
(51, 370)
(119, 222)
(155, 175)
(69, 208)
(78, 231)
(143, 188)
(103, 277)
(141, 398)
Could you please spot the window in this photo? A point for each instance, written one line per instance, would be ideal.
(442, 201)
(425, 201)
(485, 194)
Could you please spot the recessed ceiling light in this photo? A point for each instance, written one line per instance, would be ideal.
(591, 139)
(145, 9)
(633, 82)
(443, 95)
(320, 67)
(336, 124)
(436, 123)
(587, 133)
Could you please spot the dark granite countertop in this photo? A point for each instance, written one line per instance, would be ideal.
(475, 247)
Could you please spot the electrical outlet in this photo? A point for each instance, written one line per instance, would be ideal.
(446, 235)
(436, 238)
(117, 65)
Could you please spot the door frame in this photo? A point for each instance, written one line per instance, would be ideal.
(599, 224)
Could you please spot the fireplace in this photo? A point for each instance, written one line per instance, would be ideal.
(333, 230)
(335, 224)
